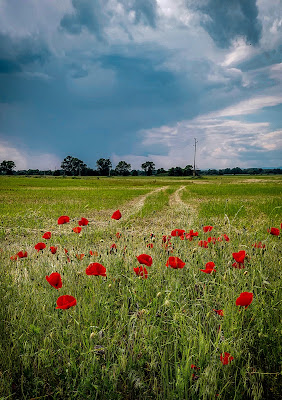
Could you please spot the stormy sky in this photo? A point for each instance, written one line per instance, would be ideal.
(138, 80)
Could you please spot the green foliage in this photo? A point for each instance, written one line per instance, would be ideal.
(73, 166)
(148, 167)
(7, 167)
(123, 168)
(104, 165)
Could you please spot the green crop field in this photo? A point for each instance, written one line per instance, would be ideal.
(155, 335)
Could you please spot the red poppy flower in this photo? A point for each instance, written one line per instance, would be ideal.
(141, 271)
(219, 312)
(40, 246)
(207, 228)
(240, 256)
(274, 231)
(53, 249)
(79, 256)
(225, 358)
(22, 254)
(226, 237)
(209, 268)
(190, 235)
(212, 240)
(93, 253)
(66, 251)
(77, 229)
(259, 245)
(203, 243)
(47, 235)
(55, 280)
(96, 269)
(145, 259)
(118, 235)
(177, 232)
(245, 299)
(194, 367)
(175, 262)
(65, 302)
(113, 246)
(64, 219)
(83, 222)
(14, 258)
(116, 215)
(150, 245)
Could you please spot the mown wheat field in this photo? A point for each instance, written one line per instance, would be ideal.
(170, 324)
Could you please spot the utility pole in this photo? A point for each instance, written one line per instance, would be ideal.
(195, 145)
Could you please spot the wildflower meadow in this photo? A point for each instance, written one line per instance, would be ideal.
(140, 288)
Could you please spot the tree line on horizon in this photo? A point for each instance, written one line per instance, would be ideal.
(72, 166)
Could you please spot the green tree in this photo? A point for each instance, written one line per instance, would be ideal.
(178, 171)
(171, 171)
(161, 171)
(123, 168)
(104, 165)
(148, 167)
(236, 171)
(6, 167)
(73, 166)
(188, 170)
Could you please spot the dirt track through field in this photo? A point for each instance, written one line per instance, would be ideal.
(177, 214)
(102, 218)
(181, 212)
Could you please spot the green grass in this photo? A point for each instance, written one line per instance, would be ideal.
(241, 202)
(127, 337)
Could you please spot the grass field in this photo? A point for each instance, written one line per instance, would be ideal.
(129, 337)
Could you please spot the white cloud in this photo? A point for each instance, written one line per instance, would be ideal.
(222, 143)
(249, 106)
(26, 159)
(270, 15)
(240, 51)
(276, 72)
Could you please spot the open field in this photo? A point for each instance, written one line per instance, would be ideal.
(129, 337)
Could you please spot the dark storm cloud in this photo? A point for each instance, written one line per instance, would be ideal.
(18, 52)
(228, 19)
(87, 14)
(9, 66)
(141, 82)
